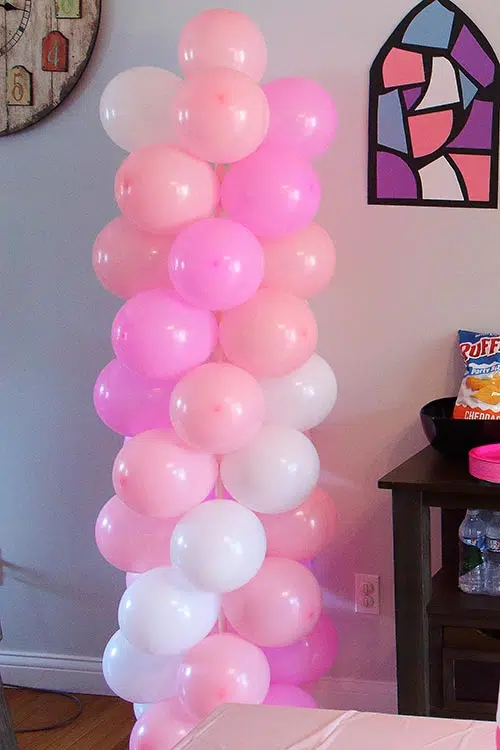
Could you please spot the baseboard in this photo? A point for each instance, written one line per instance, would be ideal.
(74, 674)
(347, 694)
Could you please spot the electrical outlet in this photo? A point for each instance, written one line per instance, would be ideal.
(367, 594)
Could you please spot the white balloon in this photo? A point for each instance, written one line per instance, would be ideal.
(274, 472)
(304, 398)
(163, 613)
(138, 677)
(219, 545)
(140, 708)
(136, 107)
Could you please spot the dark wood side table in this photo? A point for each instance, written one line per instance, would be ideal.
(447, 642)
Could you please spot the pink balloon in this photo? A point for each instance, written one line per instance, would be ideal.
(273, 192)
(280, 605)
(161, 189)
(128, 260)
(217, 408)
(162, 726)
(270, 335)
(222, 38)
(216, 264)
(159, 336)
(289, 695)
(302, 263)
(131, 542)
(220, 115)
(129, 404)
(303, 533)
(158, 476)
(303, 115)
(222, 669)
(309, 659)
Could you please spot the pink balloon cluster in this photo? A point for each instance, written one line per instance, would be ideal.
(215, 382)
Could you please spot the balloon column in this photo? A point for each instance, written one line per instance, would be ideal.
(216, 382)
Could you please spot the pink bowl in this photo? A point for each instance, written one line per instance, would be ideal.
(484, 463)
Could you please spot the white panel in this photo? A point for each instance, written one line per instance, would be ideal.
(439, 181)
(443, 87)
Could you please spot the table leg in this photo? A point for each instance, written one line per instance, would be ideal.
(7, 737)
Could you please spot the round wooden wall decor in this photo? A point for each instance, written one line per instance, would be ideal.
(45, 46)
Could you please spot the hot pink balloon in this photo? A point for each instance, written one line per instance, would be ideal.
(161, 189)
(303, 533)
(222, 669)
(220, 115)
(162, 726)
(270, 335)
(216, 264)
(131, 542)
(159, 336)
(280, 605)
(302, 263)
(217, 408)
(289, 695)
(156, 475)
(303, 115)
(222, 38)
(309, 659)
(129, 404)
(128, 260)
(273, 192)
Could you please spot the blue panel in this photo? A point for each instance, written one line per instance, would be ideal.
(391, 132)
(431, 27)
(469, 90)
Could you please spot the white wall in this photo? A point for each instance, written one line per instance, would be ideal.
(407, 279)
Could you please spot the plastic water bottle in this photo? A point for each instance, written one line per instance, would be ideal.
(472, 534)
(493, 555)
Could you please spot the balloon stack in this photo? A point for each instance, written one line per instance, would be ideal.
(216, 383)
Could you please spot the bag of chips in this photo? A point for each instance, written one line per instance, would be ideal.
(479, 395)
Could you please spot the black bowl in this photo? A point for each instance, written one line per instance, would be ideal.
(456, 437)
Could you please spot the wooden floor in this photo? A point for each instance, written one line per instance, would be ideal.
(105, 723)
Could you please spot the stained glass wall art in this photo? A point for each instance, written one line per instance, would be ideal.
(434, 113)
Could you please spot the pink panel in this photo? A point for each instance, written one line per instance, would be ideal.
(402, 68)
(475, 169)
(430, 131)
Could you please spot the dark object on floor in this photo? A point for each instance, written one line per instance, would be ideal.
(58, 723)
(7, 738)
(456, 437)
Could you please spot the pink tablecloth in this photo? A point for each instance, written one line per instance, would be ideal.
(270, 728)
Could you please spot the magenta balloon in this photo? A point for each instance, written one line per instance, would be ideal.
(289, 695)
(216, 264)
(273, 192)
(309, 659)
(162, 726)
(131, 542)
(159, 336)
(303, 115)
(129, 404)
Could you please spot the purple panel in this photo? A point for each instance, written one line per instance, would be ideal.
(471, 56)
(411, 96)
(394, 177)
(477, 131)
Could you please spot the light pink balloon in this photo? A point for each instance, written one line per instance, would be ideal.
(159, 336)
(309, 659)
(280, 605)
(162, 726)
(222, 669)
(217, 408)
(222, 38)
(216, 264)
(129, 404)
(303, 533)
(220, 115)
(270, 335)
(161, 189)
(131, 542)
(156, 475)
(130, 578)
(273, 192)
(303, 115)
(289, 695)
(302, 263)
(128, 260)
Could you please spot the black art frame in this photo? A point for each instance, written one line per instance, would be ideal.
(491, 93)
